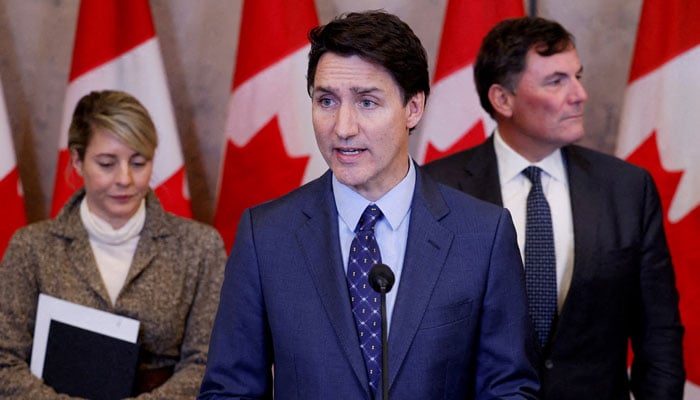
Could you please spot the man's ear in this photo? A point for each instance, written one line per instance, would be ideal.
(501, 100)
(76, 161)
(414, 109)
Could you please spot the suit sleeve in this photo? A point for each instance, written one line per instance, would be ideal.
(657, 369)
(506, 358)
(240, 354)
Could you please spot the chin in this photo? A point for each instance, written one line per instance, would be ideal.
(577, 136)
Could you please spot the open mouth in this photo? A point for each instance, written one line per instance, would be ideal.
(350, 152)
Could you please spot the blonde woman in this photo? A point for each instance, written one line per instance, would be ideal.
(113, 247)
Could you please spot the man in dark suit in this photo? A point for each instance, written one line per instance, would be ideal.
(611, 264)
(294, 321)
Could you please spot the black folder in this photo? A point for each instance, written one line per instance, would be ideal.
(87, 364)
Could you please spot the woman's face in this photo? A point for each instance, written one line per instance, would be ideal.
(116, 178)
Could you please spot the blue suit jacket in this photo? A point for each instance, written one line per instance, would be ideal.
(459, 331)
(623, 285)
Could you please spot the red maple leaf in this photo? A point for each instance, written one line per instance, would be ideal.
(471, 138)
(682, 239)
(259, 171)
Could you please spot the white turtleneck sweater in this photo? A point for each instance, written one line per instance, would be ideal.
(113, 248)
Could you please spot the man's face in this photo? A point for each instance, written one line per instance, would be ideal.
(546, 110)
(361, 123)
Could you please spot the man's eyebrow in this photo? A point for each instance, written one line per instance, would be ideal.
(323, 89)
(362, 90)
(356, 89)
(562, 74)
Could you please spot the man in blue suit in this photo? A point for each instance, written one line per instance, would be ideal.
(293, 322)
(614, 278)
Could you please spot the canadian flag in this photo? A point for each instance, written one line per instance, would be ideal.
(659, 131)
(116, 48)
(270, 146)
(454, 119)
(12, 215)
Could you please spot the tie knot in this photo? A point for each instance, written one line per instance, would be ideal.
(533, 174)
(369, 217)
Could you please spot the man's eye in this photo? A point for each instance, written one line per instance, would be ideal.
(367, 103)
(325, 102)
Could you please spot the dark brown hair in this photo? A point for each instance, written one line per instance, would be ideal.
(502, 56)
(379, 38)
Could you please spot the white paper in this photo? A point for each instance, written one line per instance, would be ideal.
(51, 308)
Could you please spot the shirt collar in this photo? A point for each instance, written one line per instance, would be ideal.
(511, 164)
(395, 204)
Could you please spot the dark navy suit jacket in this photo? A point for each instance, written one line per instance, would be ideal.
(460, 328)
(623, 285)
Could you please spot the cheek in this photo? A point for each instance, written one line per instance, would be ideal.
(540, 111)
(393, 143)
(320, 125)
(321, 117)
(95, 180)
(143, 178)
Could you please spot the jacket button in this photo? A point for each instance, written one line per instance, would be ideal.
(549, 364)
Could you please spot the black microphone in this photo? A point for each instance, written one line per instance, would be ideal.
(381, 278)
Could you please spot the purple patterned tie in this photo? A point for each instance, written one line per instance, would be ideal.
(540, 262)
(366, 303)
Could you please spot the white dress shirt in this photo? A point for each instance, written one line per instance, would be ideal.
(514, 189)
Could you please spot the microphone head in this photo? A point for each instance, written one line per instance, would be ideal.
(381, 278)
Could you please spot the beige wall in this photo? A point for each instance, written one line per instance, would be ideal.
(198, 40)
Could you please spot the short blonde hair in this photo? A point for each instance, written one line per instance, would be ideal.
(117, 112)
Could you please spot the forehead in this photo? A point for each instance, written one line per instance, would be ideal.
(567, 62)
(105, 140)
(337, 72)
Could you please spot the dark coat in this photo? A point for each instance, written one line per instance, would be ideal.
(623, 284)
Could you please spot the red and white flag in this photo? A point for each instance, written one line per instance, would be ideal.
(12, 215)
(659, 131)
(454, 119)
(270, 146)
(116, 48)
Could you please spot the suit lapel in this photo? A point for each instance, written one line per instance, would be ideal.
(146, 250)
(78, 252)
(426, 252)
(151, 244)
(83, 259)
(481, 173)
(586, 197)
(322, 251)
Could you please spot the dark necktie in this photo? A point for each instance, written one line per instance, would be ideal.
(540, 262)
(366, 303)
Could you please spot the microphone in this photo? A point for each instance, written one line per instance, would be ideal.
(381, 278)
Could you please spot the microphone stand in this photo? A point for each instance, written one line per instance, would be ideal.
(381, 278)
(385, 348)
